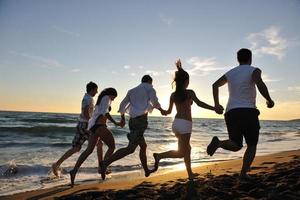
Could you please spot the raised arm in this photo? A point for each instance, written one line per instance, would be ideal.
(262, 88)
(200, 103)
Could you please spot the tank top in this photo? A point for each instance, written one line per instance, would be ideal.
(242, 91)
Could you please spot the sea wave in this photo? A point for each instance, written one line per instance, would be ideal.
(46, 130)
(48, 120)
(37, 129)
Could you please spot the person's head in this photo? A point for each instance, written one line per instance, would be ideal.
(146, 79)
(182, 80)
(92, 88)
(111, 92)
(244, 56)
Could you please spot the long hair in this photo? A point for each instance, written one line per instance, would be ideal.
(106, 91)
(181, 76)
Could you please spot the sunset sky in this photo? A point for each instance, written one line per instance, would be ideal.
(50, 49)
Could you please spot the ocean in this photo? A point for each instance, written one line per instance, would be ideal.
(30, 142)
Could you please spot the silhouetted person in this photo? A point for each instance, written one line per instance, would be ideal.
(137, 103)
(98, 128)
(82, 134)
(241, 115)
(182, 125)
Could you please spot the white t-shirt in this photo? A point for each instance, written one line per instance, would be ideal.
(100, 109)
(87, 100)
(139, 100)
(242, 91)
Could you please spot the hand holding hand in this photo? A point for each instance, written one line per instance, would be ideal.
(122, 123)
(164, 112)
(219, 109)
(270, 104)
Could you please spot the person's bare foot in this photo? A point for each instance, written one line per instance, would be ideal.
(148, 172)
(193, 176)
(72, 176)
(245, 178)
(55, 169)
(108, 170)
(156, 159)
(213, 146)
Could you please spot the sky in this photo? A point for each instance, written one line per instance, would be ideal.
(51, 49)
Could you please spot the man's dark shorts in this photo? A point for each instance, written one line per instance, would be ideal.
(243, 122)
(137, 127)
(82, 134)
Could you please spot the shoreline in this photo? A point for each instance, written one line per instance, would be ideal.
(159, 181)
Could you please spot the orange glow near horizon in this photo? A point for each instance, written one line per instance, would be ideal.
(281, 111)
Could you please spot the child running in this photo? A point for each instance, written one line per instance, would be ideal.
(82, 134)
(182, 124)
(98, 128)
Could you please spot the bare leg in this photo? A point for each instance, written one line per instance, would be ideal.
(183, 149)
(143, 158)
(173, 153)
(187, 157)
(99, 152)
(107, 137)
(248, 158)
(83, 156)
(64, 157)
(120, 153)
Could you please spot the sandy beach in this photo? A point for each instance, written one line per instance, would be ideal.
(275, 176)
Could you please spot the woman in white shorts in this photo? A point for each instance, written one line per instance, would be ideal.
(182, 124)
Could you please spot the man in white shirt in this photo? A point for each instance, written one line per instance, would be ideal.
(82, 134)
(241, 115)
(137, 103)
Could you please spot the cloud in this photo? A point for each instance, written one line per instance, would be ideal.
(270, 42)
(154, 73)
(166, 20)
(203, 66)
(75, 70)
(132, 74)
(65, 31)
(40, 61)
(127, 67)
(295, 89)
(267, 78)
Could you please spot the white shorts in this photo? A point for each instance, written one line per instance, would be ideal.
(182, 126)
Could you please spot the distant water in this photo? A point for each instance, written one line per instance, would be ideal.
(31, 142)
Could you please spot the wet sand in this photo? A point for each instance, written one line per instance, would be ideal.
(275, 176)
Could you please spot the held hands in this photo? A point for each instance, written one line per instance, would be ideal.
(270, 104)
(121, 123)
(164, 112)
(219, 109)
